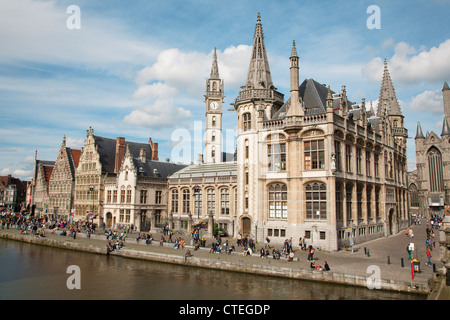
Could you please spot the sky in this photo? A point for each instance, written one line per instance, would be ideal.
(137, 69)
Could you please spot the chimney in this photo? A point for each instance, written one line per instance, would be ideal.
(143, 155)
(199, 159)
(154, 146)
(120, 152)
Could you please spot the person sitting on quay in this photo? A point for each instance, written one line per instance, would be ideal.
(231, 249)
(149, 239)
(247, 251)
(276, 254)
(262, 253)
(290, 257)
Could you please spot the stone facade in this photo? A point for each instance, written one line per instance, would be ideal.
(316, 166)
(138, 195)
(430, 182)
(101, 159)
(37, 193)
(61, 187)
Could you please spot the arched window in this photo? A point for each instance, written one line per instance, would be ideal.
(435, 170)
(278, 201)
(174, 196)
(186, 201)
(316, 201)
(413, 195)
(247, 121)
(211, 198)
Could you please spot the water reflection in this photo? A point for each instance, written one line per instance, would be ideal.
(34, 272)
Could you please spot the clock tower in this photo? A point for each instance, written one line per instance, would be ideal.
(214, 100)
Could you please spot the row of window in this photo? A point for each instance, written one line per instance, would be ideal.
(126, 196)
(316, 201)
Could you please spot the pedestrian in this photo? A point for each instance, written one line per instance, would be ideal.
(429, 257)
(311, 251)
(408, 249)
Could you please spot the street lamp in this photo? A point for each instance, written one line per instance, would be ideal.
(91, 191)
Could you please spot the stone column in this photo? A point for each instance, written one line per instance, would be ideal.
(210, 224)
(152, 221)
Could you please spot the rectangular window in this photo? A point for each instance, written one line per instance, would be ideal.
(158, 196)
(376, 157)
(114, 198)
(128, 196)
(276, 154)
(359, 161)
(225, 201)
(122, 196)
(314, 155)
(108, 196)
(316, 201)
(348, 158)
(247, 121)
(143, 198)
(368, 164)
(337, 152)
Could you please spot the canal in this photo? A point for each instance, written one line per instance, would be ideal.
(33, 272)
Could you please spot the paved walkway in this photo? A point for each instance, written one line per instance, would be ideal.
(356, 263)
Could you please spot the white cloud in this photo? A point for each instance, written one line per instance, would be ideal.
(162, 114)
(40, 27)
(5, 171)
(157, 89)
(74, 143)
(430, 101)
(22, 173)
(408, 65)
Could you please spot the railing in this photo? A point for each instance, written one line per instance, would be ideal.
(260, 94)
(295, 121)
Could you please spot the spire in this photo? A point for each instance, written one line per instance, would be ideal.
(294, 50)
(419, 133)
(214, 67)
(445, 128)
(259, 72)
(388, 100)
(295, 108)
(445, 86)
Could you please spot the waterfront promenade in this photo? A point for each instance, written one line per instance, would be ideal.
(346, 267)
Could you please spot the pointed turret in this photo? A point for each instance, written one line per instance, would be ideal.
(295, 109)
(419, 133)
(445, 128)
(446, 98)
(259, 72)
(388, 100)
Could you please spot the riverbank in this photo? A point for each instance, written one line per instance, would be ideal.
(356, 269)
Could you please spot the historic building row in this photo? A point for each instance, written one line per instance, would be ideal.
(112, 181)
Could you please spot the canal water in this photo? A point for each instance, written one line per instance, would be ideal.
(33, 272)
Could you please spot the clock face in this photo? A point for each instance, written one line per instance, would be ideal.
(214, 105)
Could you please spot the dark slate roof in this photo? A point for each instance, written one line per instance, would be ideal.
(107, 149)
(163, 169)
(314, 97)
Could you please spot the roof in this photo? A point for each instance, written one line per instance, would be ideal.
(207, 169)
(106, 148)
(314, 97)
(163, 169)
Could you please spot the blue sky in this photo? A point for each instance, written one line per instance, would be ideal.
(137, 69)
